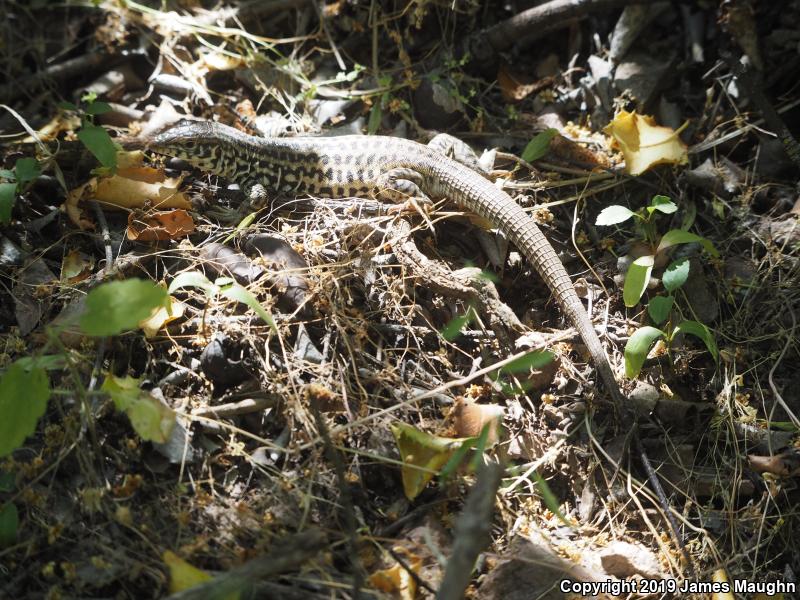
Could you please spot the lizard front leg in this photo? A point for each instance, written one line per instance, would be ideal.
(402, 185)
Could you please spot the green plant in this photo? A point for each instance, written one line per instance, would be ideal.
(111, 308)
(96, 139)
(660, 308)
(91, 135)
(14, 182)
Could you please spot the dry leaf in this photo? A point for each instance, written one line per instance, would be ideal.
(720, 576)
(645, 144)
(396, 580)
(217, 61)
(571, 151)
(786, 464)
(130, 193)
(469, 418)
(145, 187)
(76, 267)
(163, 225)
(422, 454)
(516, 87)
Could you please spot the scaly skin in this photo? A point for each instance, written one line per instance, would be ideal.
(354, 165)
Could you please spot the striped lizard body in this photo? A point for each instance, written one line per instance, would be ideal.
(371, 165)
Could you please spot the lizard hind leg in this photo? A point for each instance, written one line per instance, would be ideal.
(457, 150)
(256, 194)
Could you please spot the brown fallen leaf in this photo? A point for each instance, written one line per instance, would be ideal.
(396, 580)
(129, 193)
(785, 464)
(76, 266)
(162, 225)
(515, 87)
(469, 419)
(134, 185)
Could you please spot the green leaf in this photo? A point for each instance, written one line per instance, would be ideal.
(27, 169)
(539, 146)
(152, 420)
(658, 308)
(8, 193)
(457, 458)
(613, 215)
(118, 306)
(124, 391)
(98, 108)
(6, 482)
(243, 224)
(67, 106)
(98, 142)
(662, 204)
(89, 97)
(193, 279)
(533, 360)
(679, 236)
(454, 327)
(697, 329)
(9, 524)
(238, 293)
(676, 274)
(636, 280)
(149, 417)
(6, 174)
(23, 400)
(375, 116)
(638, 347)
(48, 362)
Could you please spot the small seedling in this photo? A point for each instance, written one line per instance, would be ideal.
(660, 308)
(91, 135)
(15, 182)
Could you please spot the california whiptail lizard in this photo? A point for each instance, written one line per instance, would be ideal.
(378, 166)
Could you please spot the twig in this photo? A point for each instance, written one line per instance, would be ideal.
(472, 533)
(74, 67)
(348, 510)
(540, 20)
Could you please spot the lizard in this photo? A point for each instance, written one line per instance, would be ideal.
(383, 167)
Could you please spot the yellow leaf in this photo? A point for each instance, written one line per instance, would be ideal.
(396, 581)
(720, 576)
(161, 316)
(422, 454)
(183, 576)
(645, 144)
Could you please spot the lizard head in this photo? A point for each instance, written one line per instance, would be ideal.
(202, 144)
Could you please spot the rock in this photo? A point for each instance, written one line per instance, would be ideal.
(698, 292)
(530, 571)
(642, 76)
(622, 559)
